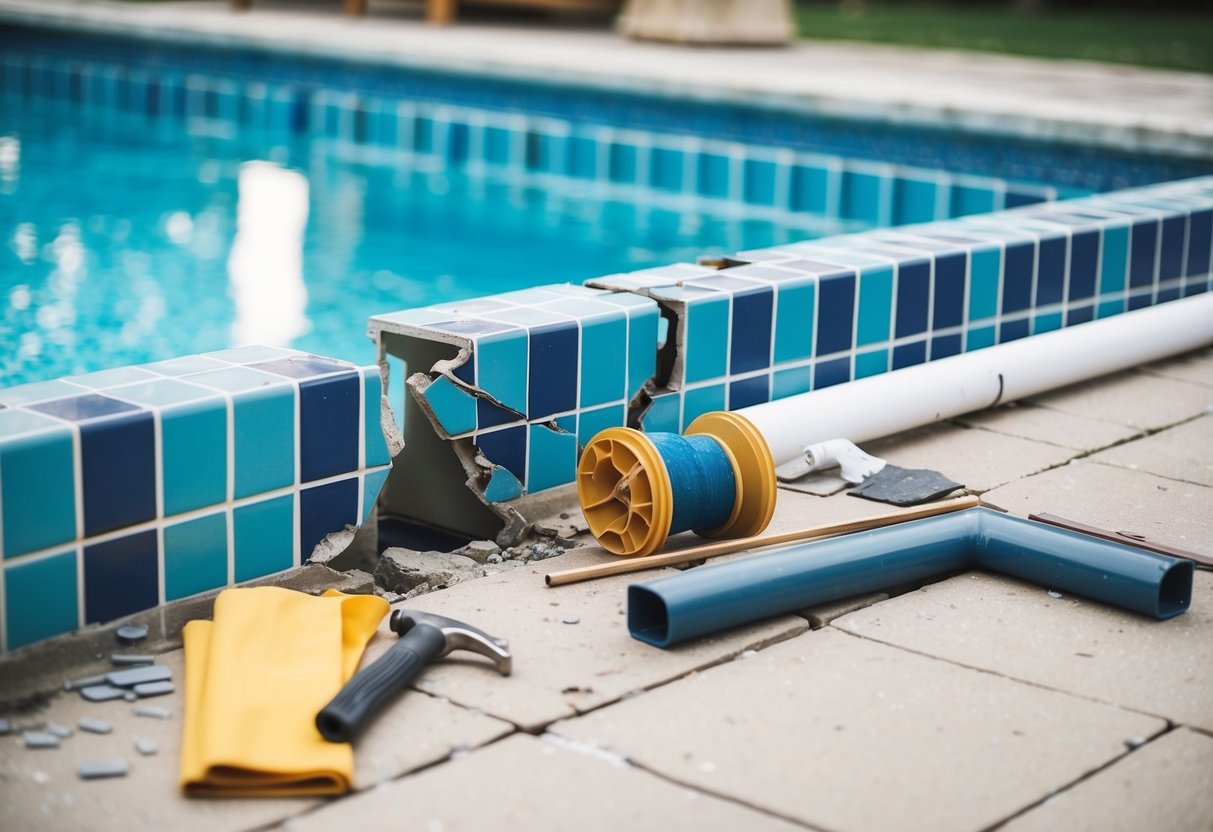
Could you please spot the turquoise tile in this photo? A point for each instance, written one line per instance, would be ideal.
(871, 363)
(553, 455)
(1114, 259)
(810, 188)
(1046, 323)
(875, 305)
(791, 381)
(971, 199)
(264, 437)
(662, 415)
(603, 359)
(1108, 308)
(372, 484)
(642, 347)
(264, 537)
(193, 463)
(701, 400)
(502, 486)
(40, 599)
(985, 268)
(861, 196)
(795, 311)
(195, 556)
(37, 487)
(707, 336)
(979, 338)
(914, 200)
(501, 367)
(758, 182)
(454, 408)
(375, 450)
(592, 422)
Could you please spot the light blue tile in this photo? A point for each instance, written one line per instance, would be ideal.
(372, 484)
(111, 378)
(701, 400)
(663, 415)
(795, 311)
(875, 305)
(40, 598)
(592, 422)
(979, 338)
(1114, 259)
(707, 336)
(184, 366)
(249, 355)
(374, 442)
(501, 367)
(38, 391)
(193, 455)
(985, 267)
(37, 489)
(871, 363)
(163, 392)
(264, 537)
(195, 556)
(553, 455)
(264, 439)
(454, 408)
(603, 359)
(791, 381)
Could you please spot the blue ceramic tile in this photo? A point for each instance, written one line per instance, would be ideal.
(666, 167)
(111, 378)
(749, 391)
(1140, 301)
(913, 297)
(907, 355)
(497, 145)
(423, 134)
(84, 408)
(40, 599)
(871, 363)
(622, 163)
(303, 366)
(489, 415)
(193, 455)
(263, 537)
(121, 577)
(810, 188)
(264, 435)
(244, 355)
(1016, 198)
(950, 272)
(465, 372)
(603, 359)
(861, 196)
(875, 305)
(582, 157)
(985, 269)
(507, 448)
(37, 488)
(195, 556)
(458, 142)
(1013, 330)
(1084, 258)
(454, 408)
(323, 509)
(943, 346)
(1050, 270)
(38, 391)
(970, 199)
(1200, 242)
(707, 337)
(1018, 267)
(502, 486)
(553, 359)
(372, 484)
(1108, 308)
(501, 362)
(592, 422)
(375, 450)
(118, 467)
(791, 381)
(914, 200)
(1171, 255)
(1142, 254)
(835, 313)
(1114, 260)
(795, 311)
(751, 326)
(714, 170)
(758, 178)
(829, 373)
(553, 456)
(1080, 315)
(663, 415)
(701, 400)
(980, 337)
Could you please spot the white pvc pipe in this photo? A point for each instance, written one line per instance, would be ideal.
(885, 404)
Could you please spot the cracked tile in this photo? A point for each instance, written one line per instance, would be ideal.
(1184, 452)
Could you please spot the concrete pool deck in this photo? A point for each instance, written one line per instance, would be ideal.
(972, 703)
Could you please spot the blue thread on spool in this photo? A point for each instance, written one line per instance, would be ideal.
(701, 480)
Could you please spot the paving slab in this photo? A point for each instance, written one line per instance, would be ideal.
(1164, 510)
(1138, 400)
(847, 734)
(1054, 427)
(41, 790)
(1195, 367)
(562, 669)
(1019, 630)
(978, 459)
(1184, 452)
(1162, 785)
(535, 784)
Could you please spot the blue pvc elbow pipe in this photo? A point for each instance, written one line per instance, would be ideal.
(712, 598)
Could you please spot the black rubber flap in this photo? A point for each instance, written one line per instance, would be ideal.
(904, 486)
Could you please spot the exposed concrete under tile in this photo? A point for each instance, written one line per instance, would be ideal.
(1184, 452)
(1162, 785)
(844, 733)
(1139, 400)
(1018, 630)
(1055, 427)
(533, 784)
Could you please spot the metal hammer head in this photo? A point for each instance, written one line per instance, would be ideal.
(458, 636)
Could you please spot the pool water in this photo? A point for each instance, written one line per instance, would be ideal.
(128, 240)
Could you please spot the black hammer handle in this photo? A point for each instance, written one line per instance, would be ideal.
(371, 688)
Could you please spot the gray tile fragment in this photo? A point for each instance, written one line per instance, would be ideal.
(60, 731)
(154, 689)
(96, 769)
(146, 747)
(151, 711)
(138, 676)
(94, 725)
(131, 659)
(132, 633)
(101, 693)
(84, 682)
(40, 739)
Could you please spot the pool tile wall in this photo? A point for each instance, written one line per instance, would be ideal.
(125, 489)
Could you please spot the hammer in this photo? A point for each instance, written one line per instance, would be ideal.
(423, 638)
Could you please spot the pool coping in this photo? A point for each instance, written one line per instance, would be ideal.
(1082, 103)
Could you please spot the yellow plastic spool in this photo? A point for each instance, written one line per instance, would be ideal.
(627, 498)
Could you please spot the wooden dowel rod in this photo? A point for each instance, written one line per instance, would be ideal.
(728, 547)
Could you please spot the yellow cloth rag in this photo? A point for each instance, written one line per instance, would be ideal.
(256, 677)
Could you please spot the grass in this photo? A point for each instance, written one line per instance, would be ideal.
(1170, 39)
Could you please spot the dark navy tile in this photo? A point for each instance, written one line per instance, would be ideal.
(466, 372)
(1015, 199)
(753, 310)
(1051, 271)
(1020, 261)
(84, 408)
(1171, 258)
(506, 448)
(1140, 301)
(907, 355)
(749, 391)
(121, 577)
(1013, 330)
(829, 373)
(457, 142)
(489, 415)
(945, 345)
(913, 297)
(1200, 241)
(304, 366)
(118, 458)
(1084, 258)
(835, 313)
(328, 426)
(1080, 315)
(1142, 248)
(950, 271)
(1196, 288)
(553, 369)
(324, 509)
(1165, 295)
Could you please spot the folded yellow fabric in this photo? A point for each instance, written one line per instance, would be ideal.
(256, 677)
